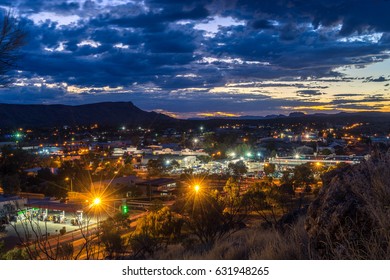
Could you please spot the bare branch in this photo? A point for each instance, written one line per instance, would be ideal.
(12, 38)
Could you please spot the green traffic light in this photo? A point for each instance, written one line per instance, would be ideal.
(125, 209)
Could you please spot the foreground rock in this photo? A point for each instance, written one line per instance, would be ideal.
(350, 217)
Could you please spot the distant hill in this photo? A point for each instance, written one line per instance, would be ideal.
(294, 117)
(375, 122)
(106, 113)
(126, 113)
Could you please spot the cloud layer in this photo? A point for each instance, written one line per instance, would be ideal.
(183, 56)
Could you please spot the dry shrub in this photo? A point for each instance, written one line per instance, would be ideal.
(350, 217)
(249, 243)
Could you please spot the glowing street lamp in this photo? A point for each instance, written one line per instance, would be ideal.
(96, 201)
(71, 183)
(196, 188)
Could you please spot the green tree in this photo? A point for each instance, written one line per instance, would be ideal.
(127, 170)
(2, 249)
(237, 169)
(262, 201)
(326, 152)
(50, 184)
(11, 184)
(174, 164)
(156, 167)
(204, 159)
(16, 254)
(269, 168)
(286, 177)
(15, 160)
(303, 176)
(235, 204)
(65, 251)
(203, 216)
(269, 201)
(154, 231)
(114, 243)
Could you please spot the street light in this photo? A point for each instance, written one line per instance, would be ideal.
(71, 183)
(97, 201)
(95, 206)
(196, 188)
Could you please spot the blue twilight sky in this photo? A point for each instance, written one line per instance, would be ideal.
(199, 58)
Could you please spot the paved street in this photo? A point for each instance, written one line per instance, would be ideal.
(75, 234)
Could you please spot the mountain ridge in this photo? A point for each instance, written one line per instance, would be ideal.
(104, 113)
(126, 113)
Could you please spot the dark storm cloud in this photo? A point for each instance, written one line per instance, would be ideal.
(291, 53)
(368, 99)
(262, 24)
(376, 80)
(149, 55)
(347, 94)
(354, 15)
(360, 107)
(64, 7)
(151, 21)
(309, 93)
(203, 101)
(36, 6)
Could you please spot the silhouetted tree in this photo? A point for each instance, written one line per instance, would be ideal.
(237, 169)
(286, 177)
(154, 231)
(303, 176)
(269, 168)
(156, 167)
(12, 37)
(50, 184)
(114, 243)
(11, 184)
(204, 217)
(235, 204)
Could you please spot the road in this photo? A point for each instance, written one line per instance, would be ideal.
(84, 236)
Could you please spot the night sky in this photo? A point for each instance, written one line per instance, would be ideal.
(203, 58)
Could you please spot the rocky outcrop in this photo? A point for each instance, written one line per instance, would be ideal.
(350, 217)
